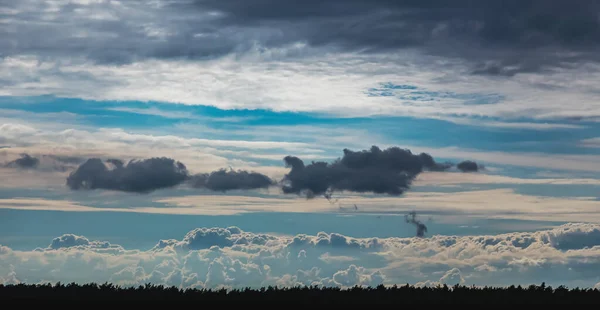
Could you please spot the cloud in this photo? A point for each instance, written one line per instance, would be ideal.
(25, 162)
(388, 171)
(224, 180)
(137, 176)
(412, 219)
(44, 162)
(544, 34)
(143, 176)
(230, 257)
(468, 166)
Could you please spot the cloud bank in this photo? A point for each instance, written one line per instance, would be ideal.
(499, 39)
(230, 257)
(388, 171)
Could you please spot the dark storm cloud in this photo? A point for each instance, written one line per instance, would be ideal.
(388, 171)
(224, 180)
(137, 176)
(498, 37)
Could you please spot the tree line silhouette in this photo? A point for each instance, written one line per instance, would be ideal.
(533, 294)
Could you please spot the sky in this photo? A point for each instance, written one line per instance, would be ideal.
(241, 143)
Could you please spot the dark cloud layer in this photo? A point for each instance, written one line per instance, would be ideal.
(498, 37)
(388, 171)
(224, 180)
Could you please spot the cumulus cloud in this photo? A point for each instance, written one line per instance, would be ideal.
(137, 176)
(224, 180)
(390, 171)
(150, 174)
(468, 166)
(230, 257)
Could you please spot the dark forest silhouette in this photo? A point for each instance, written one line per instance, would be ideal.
(303, 295)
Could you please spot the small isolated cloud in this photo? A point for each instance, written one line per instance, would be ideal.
(224, 180)
(26, 162)
(468, 166)
(411, 218)
(452, 277)
(44, 162)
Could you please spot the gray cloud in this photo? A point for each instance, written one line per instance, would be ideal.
(224, 180)
(468, 166)
(498, 37)
(137, 176)
(388, 171)
(44, 162)
(147, 175)
(412, 219)
(25, 162)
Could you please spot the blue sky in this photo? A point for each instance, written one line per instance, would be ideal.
(528, 215)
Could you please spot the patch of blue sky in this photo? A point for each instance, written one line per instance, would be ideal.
(214, 123)
(414, 93)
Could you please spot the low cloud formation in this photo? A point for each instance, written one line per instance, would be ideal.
(468, 166)
(214, 257)
(388, 171)
(25, 162)
(143, 176)
(137, 176)
(411, 218)
(224, 180)
(44, 162)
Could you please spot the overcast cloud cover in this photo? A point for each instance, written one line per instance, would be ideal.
(468, 130)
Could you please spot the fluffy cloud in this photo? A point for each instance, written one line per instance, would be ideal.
(231, 257)
(224, 180)
(137, 176)
(389, 171)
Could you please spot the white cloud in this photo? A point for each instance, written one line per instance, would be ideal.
(496, 204)
(335, 84)
(563, 255)
(439, 178)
